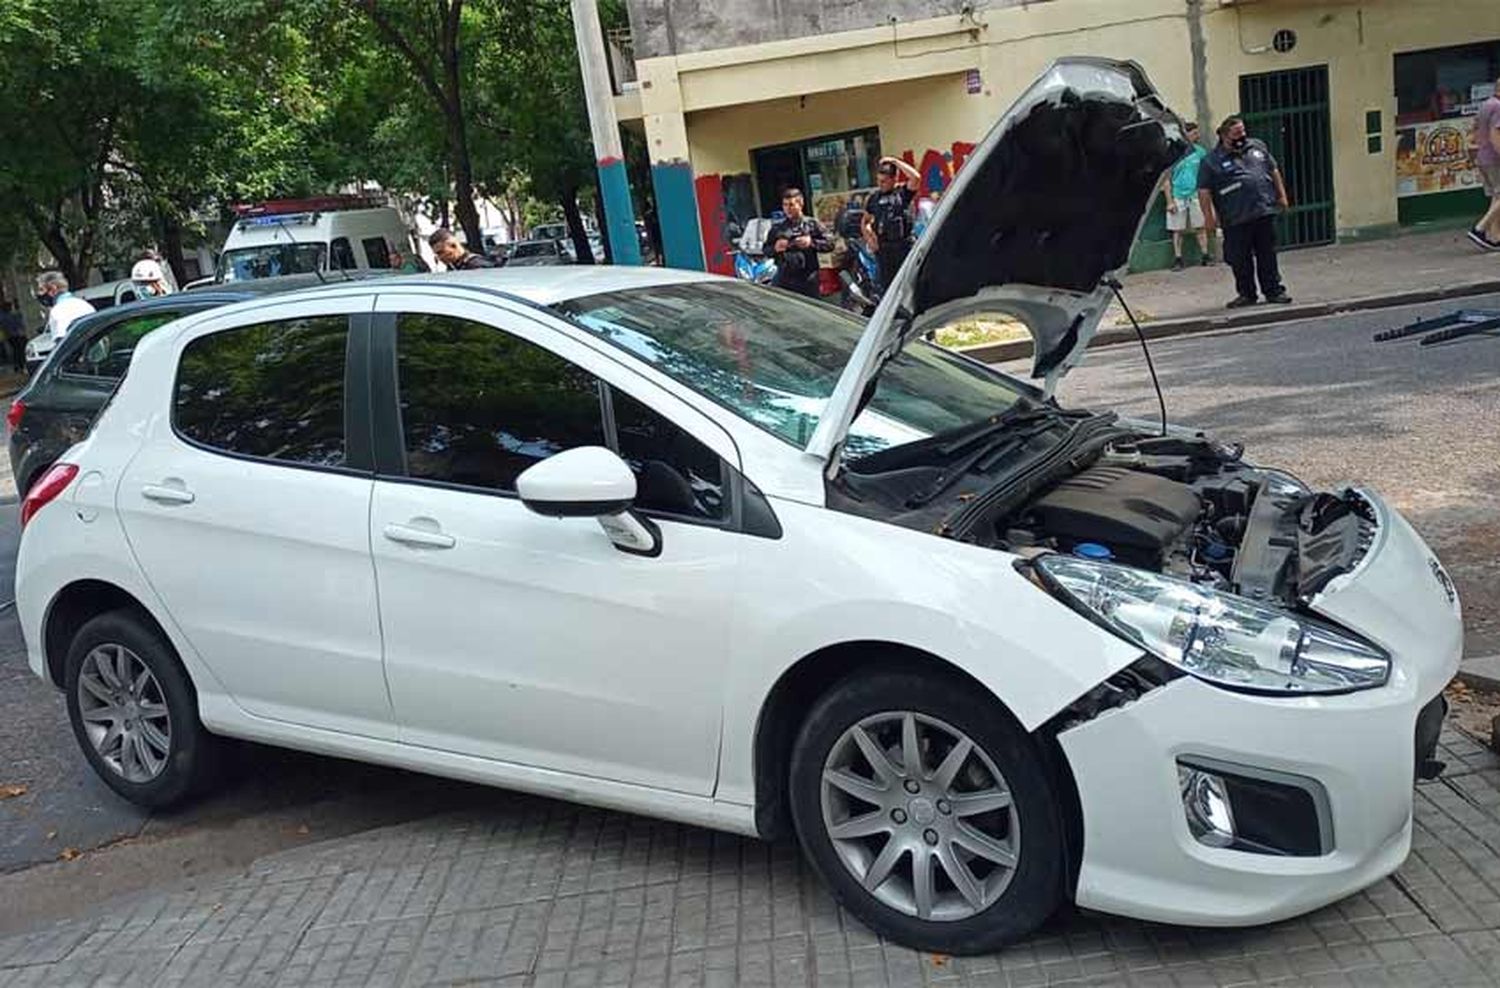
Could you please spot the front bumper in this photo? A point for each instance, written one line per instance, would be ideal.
(1139, 858)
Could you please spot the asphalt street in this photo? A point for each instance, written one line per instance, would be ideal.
(1317, 397)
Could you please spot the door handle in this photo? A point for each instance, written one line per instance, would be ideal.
(407, 535)
(167, 495)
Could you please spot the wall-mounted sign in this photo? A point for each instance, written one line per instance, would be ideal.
(1435, 157)
(972, 82)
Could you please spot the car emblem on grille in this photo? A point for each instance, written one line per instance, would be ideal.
(1443, 581)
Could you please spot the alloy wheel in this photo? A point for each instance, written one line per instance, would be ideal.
(920, 816)
(124, 713)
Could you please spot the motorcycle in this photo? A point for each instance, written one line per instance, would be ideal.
(860, 277)
(750, 260)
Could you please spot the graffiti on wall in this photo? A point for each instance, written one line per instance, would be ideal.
(938, 167)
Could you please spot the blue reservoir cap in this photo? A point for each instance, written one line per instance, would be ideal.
(1092, 550)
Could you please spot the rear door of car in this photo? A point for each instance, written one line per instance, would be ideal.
(247, 507)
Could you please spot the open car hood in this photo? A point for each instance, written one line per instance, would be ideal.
(1034, 225)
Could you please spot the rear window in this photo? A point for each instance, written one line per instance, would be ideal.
(107, 356)
(273, 391)
(534, 250)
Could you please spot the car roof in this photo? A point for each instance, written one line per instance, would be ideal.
(540, 286)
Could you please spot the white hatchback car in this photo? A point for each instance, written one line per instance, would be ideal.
(980, 652)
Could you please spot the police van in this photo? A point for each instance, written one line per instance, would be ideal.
(314, 236)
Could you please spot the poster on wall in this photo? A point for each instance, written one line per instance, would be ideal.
(1435, 157)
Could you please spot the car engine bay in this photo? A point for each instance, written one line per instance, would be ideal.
(1039, 478)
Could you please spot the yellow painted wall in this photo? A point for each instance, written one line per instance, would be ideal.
(912, 115)
(1358, 43)
(909, 80)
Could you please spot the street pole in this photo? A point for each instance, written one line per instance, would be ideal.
(614, 186)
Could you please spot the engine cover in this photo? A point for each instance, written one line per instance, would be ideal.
(1135, 514)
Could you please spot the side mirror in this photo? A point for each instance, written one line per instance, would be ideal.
(590, 482)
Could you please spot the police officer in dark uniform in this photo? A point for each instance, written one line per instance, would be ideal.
(888, 221)
(796, 242)
(1241, 189)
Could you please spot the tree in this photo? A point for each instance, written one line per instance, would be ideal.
(65, 79)
(237, 108)
(534, 87)
(428, 36)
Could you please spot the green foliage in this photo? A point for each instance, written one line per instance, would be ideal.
(131, 120)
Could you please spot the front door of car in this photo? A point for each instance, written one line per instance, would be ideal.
(247, 507)
(533, 640)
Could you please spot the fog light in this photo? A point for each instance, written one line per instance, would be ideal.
(1205, 799)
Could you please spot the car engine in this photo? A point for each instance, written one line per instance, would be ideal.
(1186, 506)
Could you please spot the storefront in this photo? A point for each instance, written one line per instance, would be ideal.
(1438, 91)
(826, 169)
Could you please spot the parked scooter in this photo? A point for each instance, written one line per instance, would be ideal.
(860, 277)
(750, 260)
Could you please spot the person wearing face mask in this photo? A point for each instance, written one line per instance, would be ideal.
(63, 306)
(149, 279)
(1241, 190)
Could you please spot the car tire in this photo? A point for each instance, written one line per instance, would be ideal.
(135, 713)
(961, 818)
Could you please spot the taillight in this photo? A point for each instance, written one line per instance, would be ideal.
(13, 415)
(44, 491)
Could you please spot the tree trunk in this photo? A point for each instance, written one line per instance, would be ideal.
(49, 232)
(513, 216)
(169, 232)
(575, 227)
(609, 248)
(463, 207)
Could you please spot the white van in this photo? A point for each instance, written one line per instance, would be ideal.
(304, 236)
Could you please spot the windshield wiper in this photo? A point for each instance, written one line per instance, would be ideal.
(991, 442)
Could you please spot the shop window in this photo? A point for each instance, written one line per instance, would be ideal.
(1438, 91)
(1440, 83)
(826, 169)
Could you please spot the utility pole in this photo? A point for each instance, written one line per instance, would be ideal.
(619, 213)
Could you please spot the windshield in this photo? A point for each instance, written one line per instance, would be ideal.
(270, 261)
(533, 250)
(774, 358)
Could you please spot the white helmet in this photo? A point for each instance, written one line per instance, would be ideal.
(147, 271)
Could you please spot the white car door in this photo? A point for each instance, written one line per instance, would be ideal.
(248, 510)
(533, 640)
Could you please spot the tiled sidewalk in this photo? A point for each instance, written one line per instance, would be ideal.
(543, 893)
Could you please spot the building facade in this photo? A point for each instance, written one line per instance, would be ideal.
(1364, 103)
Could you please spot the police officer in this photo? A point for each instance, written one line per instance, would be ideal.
(1240, 188)
(796, 241)
(887, 225)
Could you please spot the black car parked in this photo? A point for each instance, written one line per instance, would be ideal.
(59, 403)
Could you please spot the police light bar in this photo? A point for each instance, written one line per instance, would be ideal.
(320, 204)
(299, 219)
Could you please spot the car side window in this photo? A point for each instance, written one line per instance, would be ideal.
(272, 391)
(675, 473)
(479, 406)
(107, 356)
(376, 252)
(341, 254)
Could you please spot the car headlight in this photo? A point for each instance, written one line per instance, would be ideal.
(1222, 638)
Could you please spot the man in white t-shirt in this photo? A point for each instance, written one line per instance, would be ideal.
(52, 292)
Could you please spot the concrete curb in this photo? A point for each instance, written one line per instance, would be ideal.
(1481, 672)
(1259, 317)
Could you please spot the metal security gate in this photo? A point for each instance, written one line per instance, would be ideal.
(1289, 111)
